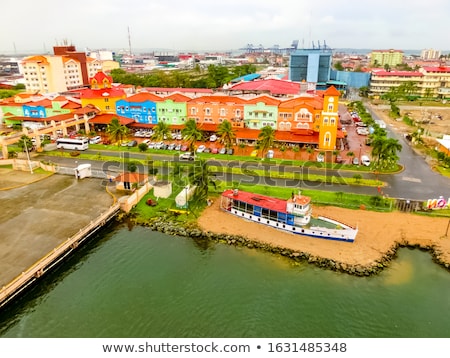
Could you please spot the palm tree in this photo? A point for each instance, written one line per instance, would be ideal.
(226, 133)
(266, 138)
(116, 131)
(191, 133)
(384, 152)
(201, 176)
(161, 131)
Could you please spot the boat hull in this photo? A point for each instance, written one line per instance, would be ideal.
(346, 234)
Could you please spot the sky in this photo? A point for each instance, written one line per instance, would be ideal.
(30, 26)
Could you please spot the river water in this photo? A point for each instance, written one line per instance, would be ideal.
(140, 283)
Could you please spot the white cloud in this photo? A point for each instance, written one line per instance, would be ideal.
(220, 25)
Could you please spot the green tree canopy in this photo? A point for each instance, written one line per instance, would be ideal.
(116, 131)
(191, 133)
(266, 139)
(161, 131)
(226, 133)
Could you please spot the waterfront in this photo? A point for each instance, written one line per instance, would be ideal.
(140, 283)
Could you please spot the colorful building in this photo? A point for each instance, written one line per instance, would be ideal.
(379, 58)
(141, 107)
(101, 94)
(260, 112)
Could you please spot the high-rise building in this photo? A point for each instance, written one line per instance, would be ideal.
(380, 58)
(430, 54)
(310, 65)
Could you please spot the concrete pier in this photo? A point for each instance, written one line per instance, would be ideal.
(38, 217)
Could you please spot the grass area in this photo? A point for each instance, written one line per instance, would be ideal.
(9, 166)
(320, 197)
(244, 168)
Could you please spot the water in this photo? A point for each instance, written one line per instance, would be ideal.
(141, 283)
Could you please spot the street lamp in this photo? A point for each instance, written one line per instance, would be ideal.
(28, 155)
(359, 157)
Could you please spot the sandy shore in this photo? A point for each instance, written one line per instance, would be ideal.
(378, 234)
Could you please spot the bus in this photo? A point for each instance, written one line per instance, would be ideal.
(80, 143)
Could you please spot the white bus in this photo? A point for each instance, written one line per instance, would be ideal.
(80, 143)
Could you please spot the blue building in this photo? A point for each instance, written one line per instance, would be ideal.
(310, 65)
(141, 107)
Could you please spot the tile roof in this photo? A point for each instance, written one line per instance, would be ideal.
(131, 177)
(102, 92)
(178, 97)
(218, 99)
(273, 86)
(143, 97)
(444, 69)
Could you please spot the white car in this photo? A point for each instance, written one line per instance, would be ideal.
(213, 138)
(201, 148)
(187, 156)
(320, 158)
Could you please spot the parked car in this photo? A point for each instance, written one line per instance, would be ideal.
(178, 147)
(95, 140)
(254, 153)
(184, 148)
(214, 150)
(339, 159)
(187, 156)
(230, 151)
(132, 143)
(171, 146)
(207, 150)
(213, 138)
(201, 148)
(320, 158)
(355, 161)
(270, 154)
(365, 160)
(223, 151)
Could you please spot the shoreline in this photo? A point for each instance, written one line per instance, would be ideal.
(380, 236)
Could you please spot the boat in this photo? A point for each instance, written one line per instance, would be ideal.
(293, 215)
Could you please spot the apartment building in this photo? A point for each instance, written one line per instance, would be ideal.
(65, 70)
(380, 58)
(429, 81)
(430, 54)
(382, 81)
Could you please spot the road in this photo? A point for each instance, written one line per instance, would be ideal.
(417, 180)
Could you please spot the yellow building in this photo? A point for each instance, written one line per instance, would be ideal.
(329, 119)
(61, 72)
(101, 94)
(379, 58)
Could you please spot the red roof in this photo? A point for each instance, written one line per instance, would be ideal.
(218, 99)
(102, 92)
(332, 91)
(178, 97)
(444, 69)
(262, 201)
(131, 177)
(144, 96)
(397, 73)
(178, 89)
(100, 76)
(44, 103)
(273, 86)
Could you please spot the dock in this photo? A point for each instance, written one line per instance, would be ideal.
(49, 261)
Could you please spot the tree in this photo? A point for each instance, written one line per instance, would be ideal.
(266, 138)
(116, 131)
(142, 147)
(191, 133)
(338, 66)
(226, 133)
(161, 131)
(384, 152)
(25, 143)
(201, 176)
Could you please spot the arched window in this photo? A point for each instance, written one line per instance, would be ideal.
(326, 139)
(325, 121)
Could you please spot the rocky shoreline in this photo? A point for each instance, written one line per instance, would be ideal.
(175, 229)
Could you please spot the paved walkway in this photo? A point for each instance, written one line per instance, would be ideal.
(39, 212)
